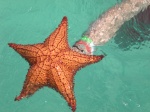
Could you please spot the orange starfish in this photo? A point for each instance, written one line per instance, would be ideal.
(53, 64)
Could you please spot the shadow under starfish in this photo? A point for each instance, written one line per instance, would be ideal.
(53, 63)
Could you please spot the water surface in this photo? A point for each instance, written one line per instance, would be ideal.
(119, 83)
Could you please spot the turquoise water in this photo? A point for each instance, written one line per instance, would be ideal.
(119, 83)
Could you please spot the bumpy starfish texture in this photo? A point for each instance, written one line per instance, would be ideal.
(53, 64)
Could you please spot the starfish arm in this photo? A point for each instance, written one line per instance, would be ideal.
(36, 78)
(29, 52)
(64, 83)
(76, 60)
(58, 39)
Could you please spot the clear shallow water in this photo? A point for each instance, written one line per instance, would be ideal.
(119, 83)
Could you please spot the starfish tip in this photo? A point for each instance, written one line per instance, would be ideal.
(18, 98)
(12, 45)
(102, 56)
(64, 20)
(98, 58)
(73, 108)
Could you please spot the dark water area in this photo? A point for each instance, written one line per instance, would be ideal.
(135, 32)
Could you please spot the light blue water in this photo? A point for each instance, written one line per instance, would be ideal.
(119, 83)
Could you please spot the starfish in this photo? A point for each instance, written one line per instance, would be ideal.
(53, 64)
